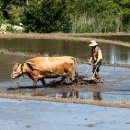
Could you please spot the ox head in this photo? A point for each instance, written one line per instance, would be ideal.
(17, 70)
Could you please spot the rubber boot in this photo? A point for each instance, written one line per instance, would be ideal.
(97, 76)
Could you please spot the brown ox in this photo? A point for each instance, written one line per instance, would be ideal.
(46, 67)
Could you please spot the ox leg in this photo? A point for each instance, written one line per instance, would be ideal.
(35, 86)
(43, 82)
(62, 79)
(72, 78)
(75, 80)
(70, 75)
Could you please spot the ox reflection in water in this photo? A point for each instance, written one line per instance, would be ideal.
(46, 67)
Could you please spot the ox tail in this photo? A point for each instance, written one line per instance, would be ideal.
(76, 69)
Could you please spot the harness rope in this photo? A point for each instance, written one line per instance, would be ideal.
(48, 64)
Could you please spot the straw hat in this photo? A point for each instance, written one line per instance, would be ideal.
(93, 43)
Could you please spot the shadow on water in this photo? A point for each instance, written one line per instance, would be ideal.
(22, 87)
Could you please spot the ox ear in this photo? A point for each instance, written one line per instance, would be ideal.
(30, 63)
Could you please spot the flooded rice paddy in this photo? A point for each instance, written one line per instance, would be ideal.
(114, 80)
(30, 115)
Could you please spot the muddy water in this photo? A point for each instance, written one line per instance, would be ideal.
(115, 80)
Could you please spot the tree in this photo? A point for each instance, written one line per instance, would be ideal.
(26, 2)
(47, 16)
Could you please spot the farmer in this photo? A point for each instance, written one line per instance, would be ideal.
(96, 58)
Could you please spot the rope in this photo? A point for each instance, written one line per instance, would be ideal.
(48, 64)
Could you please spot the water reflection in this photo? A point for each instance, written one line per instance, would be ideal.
(97, 95)
(116, 54)
(111, 53)
(73, 93)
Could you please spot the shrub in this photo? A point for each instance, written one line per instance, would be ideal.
(47, 16)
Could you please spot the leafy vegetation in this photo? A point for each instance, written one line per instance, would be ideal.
(47, 16)
(67, 15)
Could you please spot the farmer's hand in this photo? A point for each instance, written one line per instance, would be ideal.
(89, 63)
(95, 64)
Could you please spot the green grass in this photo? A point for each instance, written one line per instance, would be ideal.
(92, 23)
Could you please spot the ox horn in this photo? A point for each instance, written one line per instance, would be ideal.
(30, 63)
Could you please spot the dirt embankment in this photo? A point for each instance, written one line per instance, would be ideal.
(60, 36)
(66, 100)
